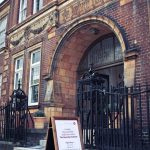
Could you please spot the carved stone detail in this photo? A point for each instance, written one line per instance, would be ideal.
(17, 38)
(50, 20)
(54, 18)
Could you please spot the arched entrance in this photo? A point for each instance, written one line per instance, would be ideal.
(72, 49)
(100, 72)
(96, 41)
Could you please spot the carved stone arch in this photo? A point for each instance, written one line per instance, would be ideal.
(79, 24)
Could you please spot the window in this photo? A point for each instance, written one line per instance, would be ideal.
(0, 85)
(34, 77)
(1, 1)
(106, 51)
(3, 23)
(18, 72)
(22, 10)
(37, 5)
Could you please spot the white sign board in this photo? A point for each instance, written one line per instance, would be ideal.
(68, 136)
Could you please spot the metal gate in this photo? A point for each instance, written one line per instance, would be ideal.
(14, 118)
(116, 118)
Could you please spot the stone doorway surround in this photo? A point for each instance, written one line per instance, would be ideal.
(68, 53)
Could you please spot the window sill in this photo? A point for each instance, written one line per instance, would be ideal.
(36, 106)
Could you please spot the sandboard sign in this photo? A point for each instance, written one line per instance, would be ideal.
(66, 134)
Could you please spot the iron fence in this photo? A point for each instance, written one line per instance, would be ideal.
(14, 118)
(114, 119)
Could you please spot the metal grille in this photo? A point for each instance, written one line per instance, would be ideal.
(104, 51)
(14, 118)
(114, 119)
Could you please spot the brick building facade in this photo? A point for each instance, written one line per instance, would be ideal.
(63, 31)
(51, 43)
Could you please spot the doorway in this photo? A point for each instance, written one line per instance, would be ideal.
(105, 57)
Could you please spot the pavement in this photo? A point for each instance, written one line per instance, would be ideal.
(38, 147)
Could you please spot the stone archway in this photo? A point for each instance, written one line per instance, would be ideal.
(69, 52)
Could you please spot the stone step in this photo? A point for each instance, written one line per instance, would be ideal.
(38, 147)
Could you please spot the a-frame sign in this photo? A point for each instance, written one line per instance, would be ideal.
(64, 133)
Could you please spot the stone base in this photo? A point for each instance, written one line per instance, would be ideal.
(6, 145)
(35, 136)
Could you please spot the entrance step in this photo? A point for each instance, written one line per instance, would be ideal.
(38, 147)
(30, 148)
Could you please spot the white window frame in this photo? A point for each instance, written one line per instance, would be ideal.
(3, 24)
(37, 5)
(22, 10)
(19, 72)
(0, 85)
(34, 65)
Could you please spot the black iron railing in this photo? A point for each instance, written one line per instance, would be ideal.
(14, 118)
(114, 119)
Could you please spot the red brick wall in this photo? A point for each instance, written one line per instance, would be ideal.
(14, 12)
(132, 19)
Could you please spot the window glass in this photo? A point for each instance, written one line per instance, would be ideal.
(34, 77)
(22, 10)
(118, 51)
(34, 94)
(3, 23)
(36, 57)
(38, 4)
(105, 51)
(1, 1)
(18, 72)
